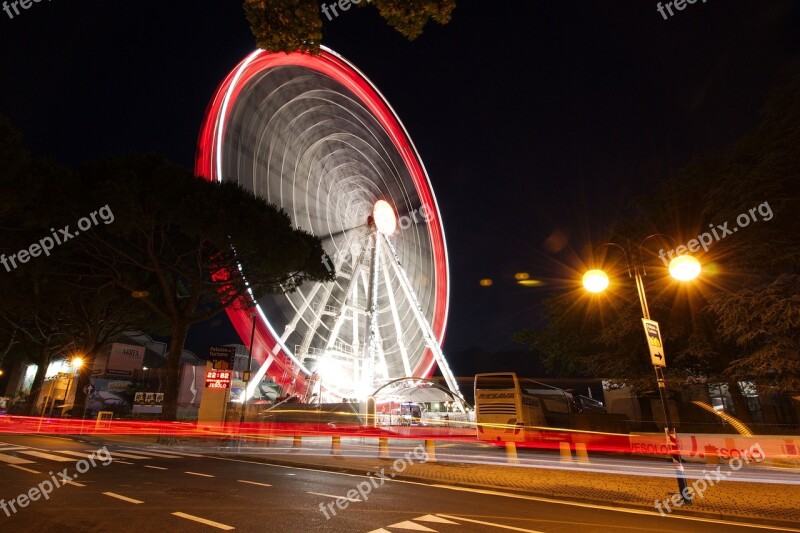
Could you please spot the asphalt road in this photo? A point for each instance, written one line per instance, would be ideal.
(144, 489)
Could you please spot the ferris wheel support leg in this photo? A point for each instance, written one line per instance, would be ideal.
(427, 331)
(396, 319)
(372, 323)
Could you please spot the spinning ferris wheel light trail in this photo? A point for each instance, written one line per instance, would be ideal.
(312, 135)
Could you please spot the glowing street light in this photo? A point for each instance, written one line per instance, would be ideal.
(684, 268)
(76, 363)
(595, 281)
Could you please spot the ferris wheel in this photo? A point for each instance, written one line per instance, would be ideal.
(312, 135)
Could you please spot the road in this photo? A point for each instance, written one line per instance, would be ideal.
(142, 489)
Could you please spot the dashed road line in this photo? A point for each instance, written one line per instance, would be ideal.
(254, 483)
(123, 462)
(154, 467)
(121, 497)
(198, 474)
(25, 469)
(204, 521)
(334, 496)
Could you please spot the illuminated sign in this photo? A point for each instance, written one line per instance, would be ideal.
(218, 379)
(222, 357)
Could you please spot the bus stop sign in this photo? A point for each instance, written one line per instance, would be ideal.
(654, 342)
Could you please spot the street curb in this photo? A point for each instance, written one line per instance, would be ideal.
(432, 482)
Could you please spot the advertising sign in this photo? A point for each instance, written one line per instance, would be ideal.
(109, 395)
(148, 402)
(218, 379)
(123, 359)
(222, 357)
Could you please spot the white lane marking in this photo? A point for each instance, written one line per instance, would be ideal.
(334, 496)
(75, 454)
(127, 455)
(198, 474)
(529, 498)
(155, 467)
(123, 462)
(432, 518)
(48, 456)
(204, 521)
(121, 497)
(254, 483)
(25, 469)
(73, 483)
(184, 454)
(155, 454)
(11, 448)
(14, 460)
(411, 525)
(491, 524)
(381, 530)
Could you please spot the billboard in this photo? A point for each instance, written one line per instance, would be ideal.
(123, 360)
(148, 402)
(222, 357)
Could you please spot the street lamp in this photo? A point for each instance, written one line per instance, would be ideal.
(682, 268)
(246, 373)
(595, 281)
(76, 364)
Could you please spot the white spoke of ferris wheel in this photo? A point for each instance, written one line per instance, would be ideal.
(315, 322)
(398, 328)
(427, 331)
(352, 287)
(288, 330)
(372, 315)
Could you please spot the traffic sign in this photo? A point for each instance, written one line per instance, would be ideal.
(654, 342)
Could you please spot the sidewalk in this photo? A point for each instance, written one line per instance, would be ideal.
(765, 503)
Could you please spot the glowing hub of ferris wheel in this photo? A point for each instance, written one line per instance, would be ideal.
(312, 135)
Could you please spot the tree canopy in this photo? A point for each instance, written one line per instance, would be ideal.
(150, 246)
(296, 25)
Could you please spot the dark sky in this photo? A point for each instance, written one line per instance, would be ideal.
(531, 116)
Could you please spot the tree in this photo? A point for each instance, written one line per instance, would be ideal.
(189, 248)
(296, 25)
(30, 310)
(741, 319)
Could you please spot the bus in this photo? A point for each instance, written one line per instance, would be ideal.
(513, 409)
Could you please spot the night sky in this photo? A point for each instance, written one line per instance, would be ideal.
(534, 119)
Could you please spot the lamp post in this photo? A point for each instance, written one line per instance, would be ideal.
(682, 268)
(76, 364)
(246, 373)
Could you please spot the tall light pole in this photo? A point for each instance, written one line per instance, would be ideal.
(246, 373)
(682, 268)
(76, 364)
